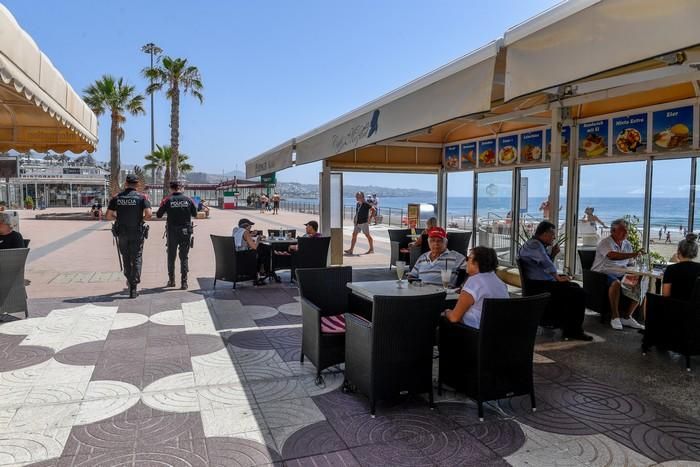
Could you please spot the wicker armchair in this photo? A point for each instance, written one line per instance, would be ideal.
(13, 295)
(399, 245)
(674, 324)
(312, 253)
(393, 352)
(495, 361)
(531, 287)
(459, 242)
(324, 298)
(231, 265)
(595, 285)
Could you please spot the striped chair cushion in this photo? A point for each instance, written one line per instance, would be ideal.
(404, 250)
(333, 324)
(281, 253)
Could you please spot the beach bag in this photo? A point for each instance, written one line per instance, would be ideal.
(634, 287)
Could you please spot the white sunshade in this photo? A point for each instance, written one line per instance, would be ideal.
(273, 160)
(460, 88)
(30, 75)
(581, 38)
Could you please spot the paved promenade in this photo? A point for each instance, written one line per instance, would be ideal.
(212, 377)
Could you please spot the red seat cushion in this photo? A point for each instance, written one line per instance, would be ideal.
(333, 324)
(404, 250)
(282, 253)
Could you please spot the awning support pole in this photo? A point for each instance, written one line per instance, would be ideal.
(555, 170)
(325, 192)
(442, 197)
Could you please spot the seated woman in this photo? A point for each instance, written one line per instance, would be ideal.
(243, 240)
(422, 241)
(482, 283)
(679, 278)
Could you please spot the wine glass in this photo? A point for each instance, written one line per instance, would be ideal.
(445, 275)
(400, 269)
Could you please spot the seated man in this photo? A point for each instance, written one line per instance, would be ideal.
(616, 252)
(429, 265)
(243, 240)
(568, 298)
(311, 231)
(8, 237)
(202, 206)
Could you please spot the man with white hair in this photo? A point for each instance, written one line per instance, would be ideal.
(613, 252)
(8, 237)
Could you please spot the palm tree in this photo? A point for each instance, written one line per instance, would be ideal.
(175, 75)
(112, 95)
(161, 159)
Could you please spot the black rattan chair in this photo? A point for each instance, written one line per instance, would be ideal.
(312, 252)
(399, 246)
(459, 242)
(13, 295)
(493, 362)
(595, 285)
(231, 265)
(673, 324)
(323, 293)
(393, 352)
(529, 288)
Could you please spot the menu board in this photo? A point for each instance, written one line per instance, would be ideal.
(629, 134)
(507, 150)
(593, 139)
(673, 129)
(531, 147)
(451, 161)
(565, 141)
(487, 153)
(468, 156)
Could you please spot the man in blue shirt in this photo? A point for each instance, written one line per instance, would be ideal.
(568, 305)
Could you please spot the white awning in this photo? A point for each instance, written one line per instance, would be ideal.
(274, 160)
(38, 108)
(581, 38)
(460, 88)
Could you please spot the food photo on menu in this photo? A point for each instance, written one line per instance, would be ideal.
(487, 152)
(452, 157)
(468, 155)
(565, 141)
(531, 150)
(593, 137)
(630, 133)
(672, 129)
(507, 150)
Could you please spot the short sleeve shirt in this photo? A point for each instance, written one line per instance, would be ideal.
(604, 264)
(129, 206)
(362, 213)
(482, 286)
(12, 240)
(429, 272)
(682, 277)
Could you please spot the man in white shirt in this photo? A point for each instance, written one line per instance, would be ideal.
(613, 252)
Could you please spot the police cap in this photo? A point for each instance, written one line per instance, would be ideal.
(131, 178)
(176, 183)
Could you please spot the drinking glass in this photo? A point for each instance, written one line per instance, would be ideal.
(400, 269)
(445, 275)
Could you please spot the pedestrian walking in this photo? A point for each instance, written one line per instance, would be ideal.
(276, 203)
(660, 233)
(665, 228)
(668, 237)
(361, 223)
(180, 210)
(130, 209)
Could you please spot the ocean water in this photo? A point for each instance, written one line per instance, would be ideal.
(672, 212)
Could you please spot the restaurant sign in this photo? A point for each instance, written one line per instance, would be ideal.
(531, 147)
(451, 158)
(487, 153)
(593, 139)
(630, 134)
(468, 156)
(673, 129)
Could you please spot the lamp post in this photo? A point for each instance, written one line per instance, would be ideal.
(152, 49)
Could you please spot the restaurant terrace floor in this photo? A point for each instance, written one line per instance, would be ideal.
(212, 377)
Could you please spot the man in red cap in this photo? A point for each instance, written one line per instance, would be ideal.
(429, 265)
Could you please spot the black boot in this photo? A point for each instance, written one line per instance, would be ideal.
(171, 281)
(183, 283)
(132, 291)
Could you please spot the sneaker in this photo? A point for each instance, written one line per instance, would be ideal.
(616, 324)
(171, 283)
(631, 323)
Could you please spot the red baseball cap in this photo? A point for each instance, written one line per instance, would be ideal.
(437, 232)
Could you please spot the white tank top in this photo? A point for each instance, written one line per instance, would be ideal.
(238, 240)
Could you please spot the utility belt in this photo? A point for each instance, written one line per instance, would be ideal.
(185, 230)
(141, 229)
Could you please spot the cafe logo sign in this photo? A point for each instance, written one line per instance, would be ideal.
(356, 134)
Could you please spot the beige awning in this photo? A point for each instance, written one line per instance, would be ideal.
(276, 159)
(460, 88)
(581, 38)
(39, 110)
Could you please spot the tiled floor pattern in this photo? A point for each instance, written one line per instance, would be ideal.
(192, 380)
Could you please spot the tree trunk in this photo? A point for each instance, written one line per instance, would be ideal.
(114, 156)
(175, 131)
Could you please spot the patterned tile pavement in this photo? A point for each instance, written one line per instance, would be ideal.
(189, 379)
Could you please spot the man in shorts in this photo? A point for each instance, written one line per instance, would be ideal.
(363, 211)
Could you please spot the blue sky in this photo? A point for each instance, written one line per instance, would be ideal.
(272, 70)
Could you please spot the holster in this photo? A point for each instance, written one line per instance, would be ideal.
(144, 230)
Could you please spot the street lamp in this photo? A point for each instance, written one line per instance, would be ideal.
(152, 49)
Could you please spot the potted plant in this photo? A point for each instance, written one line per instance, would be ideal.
(635, 239)
(28, 202)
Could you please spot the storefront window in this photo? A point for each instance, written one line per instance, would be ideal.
(669, 206)
(493, 211)
(460, 193)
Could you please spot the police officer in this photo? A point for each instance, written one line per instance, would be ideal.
(181, 209)
(130, 209)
